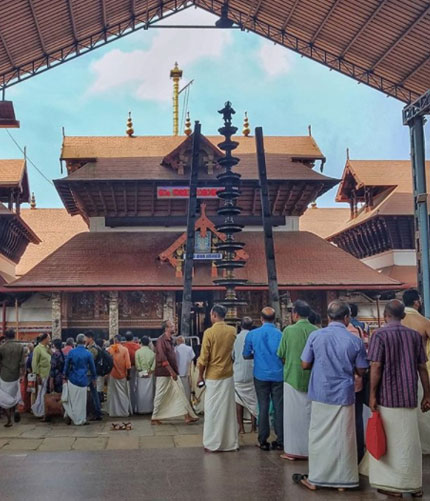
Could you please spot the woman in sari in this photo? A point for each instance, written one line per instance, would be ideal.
(57, 367)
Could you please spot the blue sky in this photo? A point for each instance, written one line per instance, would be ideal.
(281, 91)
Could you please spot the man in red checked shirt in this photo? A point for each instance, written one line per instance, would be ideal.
(170, 400)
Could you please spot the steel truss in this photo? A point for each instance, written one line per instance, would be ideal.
(242, 19)
(82, 46)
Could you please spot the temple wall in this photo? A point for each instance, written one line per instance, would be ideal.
(396, 257)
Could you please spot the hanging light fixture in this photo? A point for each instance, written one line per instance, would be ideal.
(224, 21)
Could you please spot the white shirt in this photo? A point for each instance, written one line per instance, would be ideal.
(184, 356)
(243, 369)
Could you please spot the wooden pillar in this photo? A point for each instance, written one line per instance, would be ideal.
(56, 314)
(113, 314)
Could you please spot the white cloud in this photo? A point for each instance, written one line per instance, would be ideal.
(148, 70)
(274, 59)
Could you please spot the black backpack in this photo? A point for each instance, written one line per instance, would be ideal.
(104, 362)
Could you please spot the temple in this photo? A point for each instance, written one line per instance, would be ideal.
(115, 260)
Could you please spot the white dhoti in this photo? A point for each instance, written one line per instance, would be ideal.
(400, 470)
(145, 395)
(244, 395)
(133, 388)
(423, 423)
(74, 400)
(333, 446)
(38, 408)
(297, 419)
(220, 431)
(10, 394)
(118, 399)
(170, 400)
(100, 384)
(187, 387)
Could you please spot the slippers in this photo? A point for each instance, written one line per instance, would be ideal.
(286, 456)
(389, 493)
(302, 481)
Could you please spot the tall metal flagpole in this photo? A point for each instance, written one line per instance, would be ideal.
(191, 219)
(267, 225)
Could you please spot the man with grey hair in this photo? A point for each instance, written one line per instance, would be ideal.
(334, 354)
(79, 363)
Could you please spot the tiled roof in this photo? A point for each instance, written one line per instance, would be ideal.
(324, 221)
(395, 200)
(88, 147)
(11, 172)
(279, 166)
(129, 259)
(54, 227)
(405, 274)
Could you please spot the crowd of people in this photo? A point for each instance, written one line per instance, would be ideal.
(310, 388)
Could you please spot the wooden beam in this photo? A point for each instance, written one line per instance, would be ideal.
(325, 20)
(104, 18)
(364, 27)
(278, 193)
(153, 200)
(291, 195)
(136, 198)
(6, 49)
(124, 193)
(254, 7)
(102, 199)
(114, 199)
(73, 24)
(36, 23)
(91, 199)
(290, 15)
(401, 37)
(417, 68)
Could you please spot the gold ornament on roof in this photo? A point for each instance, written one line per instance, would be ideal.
(130, 130)
(188, 130)
(32, 201)
(246, 130)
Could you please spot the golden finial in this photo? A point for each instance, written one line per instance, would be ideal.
(188, 130)
(246, 130)
(314, 205)
(130, 130)
(32, 201)
(310, 130)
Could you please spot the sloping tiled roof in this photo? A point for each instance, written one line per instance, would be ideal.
(395, 200)
(404, 274)
(89, 147)
(129, 259)
(54, 227)
(324, 221)
(11, 171)
(127, 168)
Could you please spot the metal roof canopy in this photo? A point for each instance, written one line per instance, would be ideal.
(381, 43)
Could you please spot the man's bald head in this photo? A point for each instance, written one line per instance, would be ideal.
(268, 314)
(394, 310)
(338, 311)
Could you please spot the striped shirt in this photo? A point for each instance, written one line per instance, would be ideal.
(400, 350)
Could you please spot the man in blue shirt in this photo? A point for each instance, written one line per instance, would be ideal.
(79, 363)
(261, 345)
(334, 354)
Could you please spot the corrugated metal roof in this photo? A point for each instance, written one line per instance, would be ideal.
(382, 43)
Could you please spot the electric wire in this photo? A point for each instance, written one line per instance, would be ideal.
(29, 159)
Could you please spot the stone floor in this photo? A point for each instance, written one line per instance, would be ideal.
(32, 435)
(50, 461)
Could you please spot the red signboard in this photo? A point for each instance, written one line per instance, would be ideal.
(184, 192)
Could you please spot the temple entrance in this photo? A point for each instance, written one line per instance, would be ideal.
(200, 311)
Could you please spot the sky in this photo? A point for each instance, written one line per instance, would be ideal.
(281, 91)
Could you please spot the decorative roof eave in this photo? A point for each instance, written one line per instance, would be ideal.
(255, 287)
(169, 159)
(203, 224)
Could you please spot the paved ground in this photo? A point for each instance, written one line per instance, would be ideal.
(50, 461)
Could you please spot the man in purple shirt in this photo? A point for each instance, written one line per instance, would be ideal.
(397, 355)
(334, 355)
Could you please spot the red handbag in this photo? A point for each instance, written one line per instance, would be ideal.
(376, 442)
